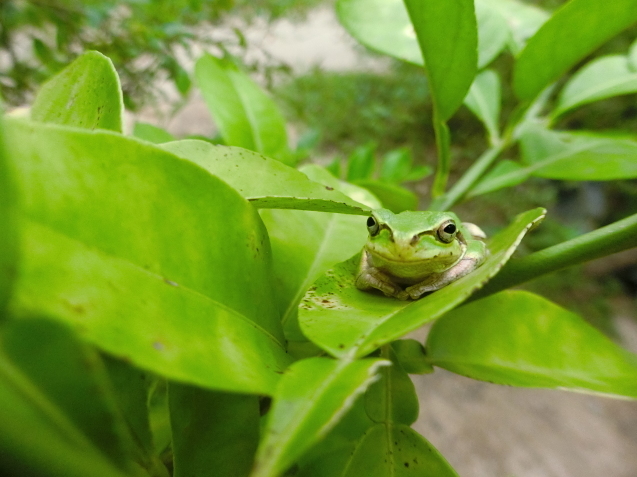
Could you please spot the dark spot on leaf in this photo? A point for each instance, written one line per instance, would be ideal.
(329, 188)
(158, 346)
(171, 283)
(406, 464)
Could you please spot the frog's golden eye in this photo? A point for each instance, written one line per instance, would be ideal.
(372, 226)
(447, 231)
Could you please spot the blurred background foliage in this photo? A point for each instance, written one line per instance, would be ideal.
(339, 116)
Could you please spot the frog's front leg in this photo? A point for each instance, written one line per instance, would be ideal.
(475, 256)
(371, 277)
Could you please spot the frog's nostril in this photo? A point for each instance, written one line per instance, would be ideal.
(414, 240)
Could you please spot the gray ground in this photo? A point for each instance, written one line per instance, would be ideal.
(484, 430)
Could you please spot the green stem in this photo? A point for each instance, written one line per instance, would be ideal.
(468, 179)
(613, 238)
(443, 146)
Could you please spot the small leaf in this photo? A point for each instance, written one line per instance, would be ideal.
(411, 356)
(310, 399)
(393, 197)
(361, 162)
(396, 165)
(265, 182)
(418, 172)
(493, 33)
(345, 321)
(85, 94)
(212, 432)
(448, 38)
(244, 114)
(574, 31)
(151, 133)
(111, 223)
(483, 100)
(521, 339)
(506, 173)
(602, 78)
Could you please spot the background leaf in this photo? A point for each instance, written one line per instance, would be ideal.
(345, 321)
(244, 114)
(266, 183)
(521, 339)
(574, 31)
(146, 241)
(448, 38)
(523, 19)
(602, 78)
(361, 163)
(213, 433)
(310, 399)
(483, 100)
(151, 133)
(85, 94)
(392, 196)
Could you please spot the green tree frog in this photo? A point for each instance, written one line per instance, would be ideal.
(412, 253)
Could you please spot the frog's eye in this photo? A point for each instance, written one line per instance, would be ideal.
(372, 226)
(447, 231)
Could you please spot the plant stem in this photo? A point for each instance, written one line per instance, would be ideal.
(443, 146)
(469, 178)
(607, 240)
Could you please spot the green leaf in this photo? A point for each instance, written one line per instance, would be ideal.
(448, 38)
(345, 321)
(56, 414)
(385, 449)
(578, 156)
(310, 399)
(265, 182)
(9, 235)
(306, 244)
(244, 114)
(411, 356)
(213, 433)
(112, 224)
(396, 165)
(602, 78)
(521, 339)
(506, 173)
(522, 18)
(393, 197)
(361, 162)
(85, 94)
(574, 31)
(151, 133)
(484, 99)
(384, 26)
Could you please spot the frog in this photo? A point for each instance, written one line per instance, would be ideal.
(412, 253)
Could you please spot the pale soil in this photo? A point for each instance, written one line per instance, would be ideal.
(484, 430)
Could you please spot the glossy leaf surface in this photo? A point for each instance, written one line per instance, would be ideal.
(9, 235)
(345, 321)
(521, 339)
(523, 19)
(85, 94)
(411, 356)
(114, 224)
(574, 31)
(265, 182)
(384, 26)
(603, 78)
(310, 399)
(306, 244)
(483, 100)
(151, 133)
(56, 413)
(448, 38)
(245, 115)
(213, 433)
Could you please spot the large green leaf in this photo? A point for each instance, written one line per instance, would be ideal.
(85, 94)
(393, 196)
(483, 100)
(310, 400)
(149, 256)
(448, 37)
(56, 412)
(213, 433)
(574, 31)
(306, 244)
(521, 339)
(9, 235)
(265, 182)
(602, 78)
(244, 114)
(345, 321)
(384, 25)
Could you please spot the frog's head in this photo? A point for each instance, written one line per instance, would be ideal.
(414, 242)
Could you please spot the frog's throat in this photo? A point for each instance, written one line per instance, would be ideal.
(384, 261)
